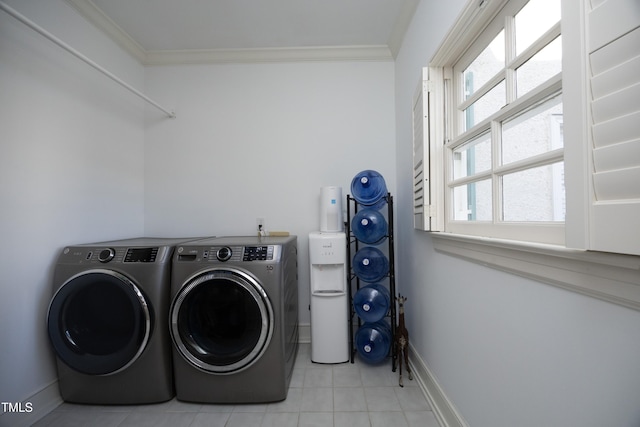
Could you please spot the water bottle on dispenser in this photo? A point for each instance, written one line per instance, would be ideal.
(369, 226)
(373, 341)
(370, 264)
(372, 302)
(369, 188)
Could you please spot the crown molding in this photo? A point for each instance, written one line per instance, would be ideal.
(290, 54)
(99, 19)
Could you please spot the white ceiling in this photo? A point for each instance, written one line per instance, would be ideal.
(170, 31)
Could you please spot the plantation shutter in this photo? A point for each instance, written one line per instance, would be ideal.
(420, 160)
(613, 42)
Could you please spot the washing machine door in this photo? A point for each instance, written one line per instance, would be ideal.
(221, 321)
(99, 322)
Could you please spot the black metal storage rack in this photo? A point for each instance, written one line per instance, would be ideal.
(353, 245)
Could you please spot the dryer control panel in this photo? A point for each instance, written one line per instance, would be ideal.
(115, 255)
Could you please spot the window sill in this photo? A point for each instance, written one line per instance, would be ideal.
(610, 277)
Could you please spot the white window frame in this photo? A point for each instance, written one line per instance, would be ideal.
(539, 232)
(608, 276)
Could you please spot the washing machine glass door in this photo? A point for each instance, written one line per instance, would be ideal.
(222, 321)
(99, 322)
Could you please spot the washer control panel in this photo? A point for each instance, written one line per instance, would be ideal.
(258, 253)
(228, 253)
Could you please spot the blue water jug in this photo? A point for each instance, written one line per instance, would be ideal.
(373, 341)
(369, 188)
(369, 226)
(372, 302)
(370, 264)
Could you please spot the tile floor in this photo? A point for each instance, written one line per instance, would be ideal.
(350, 395)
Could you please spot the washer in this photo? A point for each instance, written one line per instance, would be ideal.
(234, 319)
(107, 321)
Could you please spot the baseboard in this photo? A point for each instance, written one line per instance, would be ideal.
(304, 333)
(443, 409)
(32, 409)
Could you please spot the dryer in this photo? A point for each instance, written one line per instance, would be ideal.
(107, 321)
(234, 319)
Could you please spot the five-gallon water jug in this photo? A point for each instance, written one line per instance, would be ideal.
(372, 302)
(369, 226)
(369, 188)
(370, 264)
(373, 341)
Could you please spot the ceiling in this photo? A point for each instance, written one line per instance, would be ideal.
(187, 31)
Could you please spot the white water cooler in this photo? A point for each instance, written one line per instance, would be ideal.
(329, 299)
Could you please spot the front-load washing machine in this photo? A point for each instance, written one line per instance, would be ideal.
(234, 319)
(107, 321)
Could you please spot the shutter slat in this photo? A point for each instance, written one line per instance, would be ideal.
(617, 52)
(618, 130)
(617, 78)
(611, 20)
(616, 104)
(617, 156)
(621, 184)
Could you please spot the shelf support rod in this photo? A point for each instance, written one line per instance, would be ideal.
(12, 12)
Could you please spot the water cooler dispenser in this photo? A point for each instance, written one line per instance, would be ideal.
(329, 299)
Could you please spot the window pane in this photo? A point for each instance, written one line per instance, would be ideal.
(472, 202)
(488, 104)
(485, 66)
(541, 67)
(472, 157)
(534, 20)
(536, 194)
(534, 132)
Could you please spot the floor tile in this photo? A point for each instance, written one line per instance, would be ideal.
(317, 399)
(245, 419)
(318, 376)
(320, 395)
(158, 419)
(421, 419)
(386, 419)
(351, 419)
(284, 419)
(210, 419)
(346, 375)
(381, 399)
(349, 399)
(411, 399)
(315, 419)
(82, 418)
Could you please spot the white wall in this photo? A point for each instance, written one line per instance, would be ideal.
(506, 350)
(71, 171)
(259, 140)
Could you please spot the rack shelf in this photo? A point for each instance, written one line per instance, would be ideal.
(354, 282)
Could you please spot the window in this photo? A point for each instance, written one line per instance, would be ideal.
(504, 153)
(532, 135)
